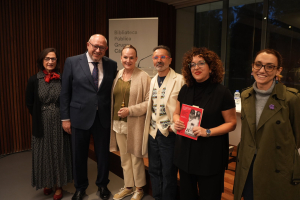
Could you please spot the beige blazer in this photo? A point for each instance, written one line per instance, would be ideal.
(174, 85)
(138, 100)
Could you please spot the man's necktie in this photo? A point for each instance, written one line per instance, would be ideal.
(95, 73)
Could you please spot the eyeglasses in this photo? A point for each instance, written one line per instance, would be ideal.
(161, 57)
(200, 64)
(101, 48)
(47, 59)
(268, 67)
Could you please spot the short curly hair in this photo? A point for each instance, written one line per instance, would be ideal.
(210, 57)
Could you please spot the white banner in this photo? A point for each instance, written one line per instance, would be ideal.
(142, 33)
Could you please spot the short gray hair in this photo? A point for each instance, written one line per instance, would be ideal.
(163, 47)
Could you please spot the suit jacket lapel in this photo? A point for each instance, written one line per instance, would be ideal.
(105, 65)
(152, 83)
(170, 84)
(86, 69)
(250, 112)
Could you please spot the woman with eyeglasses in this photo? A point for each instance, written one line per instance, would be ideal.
(203, 161)
(268, 161)
(129, 105)
(51, 149)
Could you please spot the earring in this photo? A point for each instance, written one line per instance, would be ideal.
(276, 79)
(252, 75)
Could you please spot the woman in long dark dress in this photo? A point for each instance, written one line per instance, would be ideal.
(203, 161)
(51, 149)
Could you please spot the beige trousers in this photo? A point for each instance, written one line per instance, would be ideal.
(133, 167)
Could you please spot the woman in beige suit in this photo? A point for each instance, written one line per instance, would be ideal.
(129, 105)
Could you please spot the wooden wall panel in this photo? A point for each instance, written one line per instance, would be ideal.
(29, 26)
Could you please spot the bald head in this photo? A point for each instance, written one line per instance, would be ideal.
(97, 46)
(98, 35)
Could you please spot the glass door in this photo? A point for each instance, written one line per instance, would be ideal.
(283, 35)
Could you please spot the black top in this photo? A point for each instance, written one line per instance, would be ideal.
(160, 80)
(205, 156)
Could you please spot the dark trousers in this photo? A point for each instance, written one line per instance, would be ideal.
(210, 187)
(248, 188)
(80, 150)
(162, 171)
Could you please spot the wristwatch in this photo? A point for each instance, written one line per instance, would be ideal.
(208, 132)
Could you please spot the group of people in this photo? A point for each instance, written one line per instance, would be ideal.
(127, 111)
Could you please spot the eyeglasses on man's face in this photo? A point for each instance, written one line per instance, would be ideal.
(200, 64)
(47, 59)
(101, 48)
(268, 67)
(161, 57)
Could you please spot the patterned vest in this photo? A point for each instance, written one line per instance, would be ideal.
(159, 118)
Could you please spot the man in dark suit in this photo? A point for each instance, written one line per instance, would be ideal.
(85, 110)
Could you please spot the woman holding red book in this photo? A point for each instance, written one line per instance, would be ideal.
(203, 161)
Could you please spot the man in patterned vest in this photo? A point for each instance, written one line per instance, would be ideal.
(159, 132)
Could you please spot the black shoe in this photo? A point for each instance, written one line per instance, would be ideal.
(78, 195)
(104, 193)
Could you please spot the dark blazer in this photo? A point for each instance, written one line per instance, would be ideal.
(34, 106)
(205, 156)
(80, 98)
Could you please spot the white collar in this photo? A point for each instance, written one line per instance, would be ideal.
(90, 59)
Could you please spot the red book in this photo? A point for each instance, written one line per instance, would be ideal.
(191, 116)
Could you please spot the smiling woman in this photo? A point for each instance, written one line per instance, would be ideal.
(213, 65)
(51, 149)
(266, 67)
(129, 105)
(203, 161)
(268, 161)
(200, 70)
(128, 60)
(49, 62)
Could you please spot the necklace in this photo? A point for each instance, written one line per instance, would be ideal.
(123, 102)
(126, 74)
